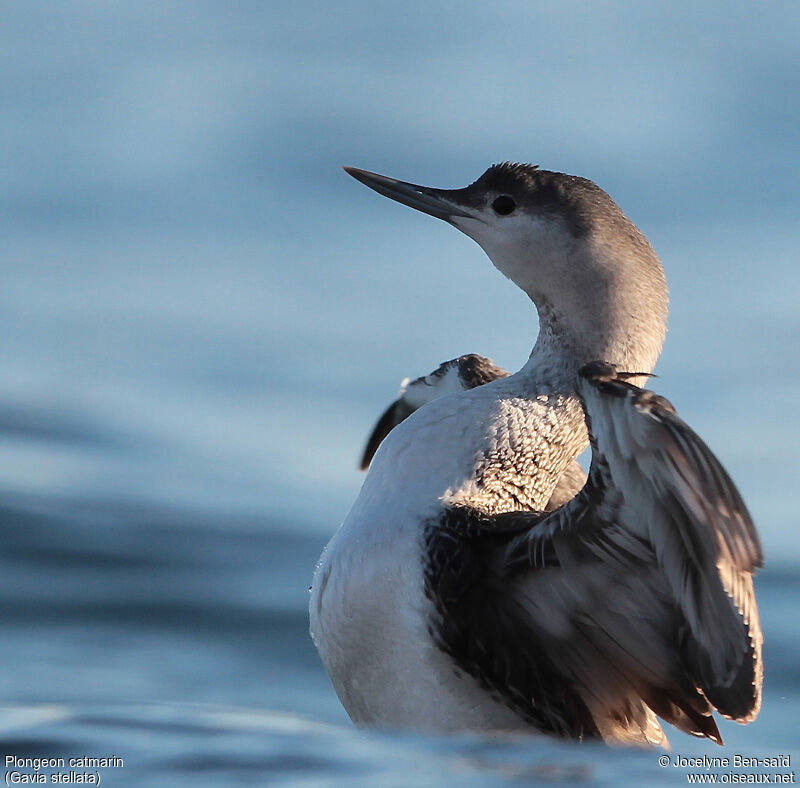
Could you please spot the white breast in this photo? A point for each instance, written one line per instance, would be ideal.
(369, 615)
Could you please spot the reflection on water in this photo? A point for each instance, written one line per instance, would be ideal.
(202, 317)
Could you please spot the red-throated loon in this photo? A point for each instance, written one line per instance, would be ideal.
(450, 599)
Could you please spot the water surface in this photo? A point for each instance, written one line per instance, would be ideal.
(202, 316)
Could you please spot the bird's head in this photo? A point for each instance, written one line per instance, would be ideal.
(591, 273)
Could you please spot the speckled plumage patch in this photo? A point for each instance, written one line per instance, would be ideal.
(532, 443)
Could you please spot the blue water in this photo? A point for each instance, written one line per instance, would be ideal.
(201, 316)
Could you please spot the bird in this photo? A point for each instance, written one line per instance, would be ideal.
(458, 374)
(449, 599)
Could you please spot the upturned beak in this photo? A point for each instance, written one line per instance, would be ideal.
(435, 202)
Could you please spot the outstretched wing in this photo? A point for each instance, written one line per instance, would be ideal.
(635, 599)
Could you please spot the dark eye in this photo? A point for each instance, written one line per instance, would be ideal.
(504, 205)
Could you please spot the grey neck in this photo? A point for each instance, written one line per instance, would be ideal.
(548, 429)
(622, 330)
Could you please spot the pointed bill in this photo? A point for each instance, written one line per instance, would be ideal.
(435, 202)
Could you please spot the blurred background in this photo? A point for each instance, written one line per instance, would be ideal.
(202, 316)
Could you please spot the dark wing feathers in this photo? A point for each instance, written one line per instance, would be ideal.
(709, 485)
(398, 411)
(708, 547)
(485, 628)
(634, 599)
